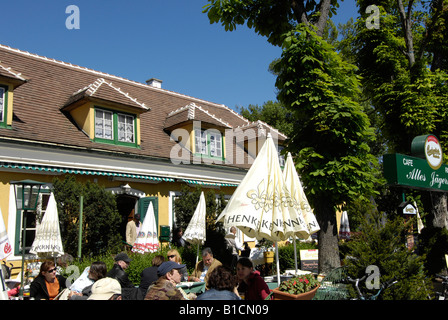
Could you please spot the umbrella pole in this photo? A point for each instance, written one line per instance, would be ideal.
(197, 255)
(278, 263)
(81, 203)
(295, 253)
(3, 280)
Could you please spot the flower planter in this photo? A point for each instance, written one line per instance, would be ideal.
(281, 295)
(268, 256)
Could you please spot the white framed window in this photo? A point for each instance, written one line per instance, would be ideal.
(281, 158)
(208, 143)
(215, 145)
(125, 128)
(104, 124)
(2, 104)
(200, 137)
(114, 127)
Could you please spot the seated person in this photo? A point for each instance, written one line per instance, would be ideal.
(165, 287)
(222, 285)
(203, 268)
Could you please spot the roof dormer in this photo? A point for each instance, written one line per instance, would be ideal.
(204, 132)
(9, 80)
(106, 113)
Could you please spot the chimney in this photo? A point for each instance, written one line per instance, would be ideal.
(153, 82)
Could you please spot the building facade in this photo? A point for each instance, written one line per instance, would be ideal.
(140, 141)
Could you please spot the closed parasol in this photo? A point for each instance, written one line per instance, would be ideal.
(48, 241)
(196, 230)
(147, 240)
(344, 228)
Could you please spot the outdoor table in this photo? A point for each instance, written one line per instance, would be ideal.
(195, 287)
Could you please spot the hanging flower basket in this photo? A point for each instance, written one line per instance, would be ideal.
(268, 256)
(303, 287)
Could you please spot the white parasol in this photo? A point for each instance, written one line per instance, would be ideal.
(5, 245)
(48, 241)
(344, 227)
(196, 230)
(262, 206)
(5, 250)
(301, 203)
(147, 237)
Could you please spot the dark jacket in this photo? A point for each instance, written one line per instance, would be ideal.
(128, 290)
(214, 294)
(38, 288)
(118, 273)
(149, 275)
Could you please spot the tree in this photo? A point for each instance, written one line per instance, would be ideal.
(331, 131)
(404, 72)
(271, 18)
(101, 219)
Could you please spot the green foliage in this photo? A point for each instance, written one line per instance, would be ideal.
(286, 254)
(331, 129)
(101, 219)
(383, 244)
(273, 113)
(411, 97)
(433, 243)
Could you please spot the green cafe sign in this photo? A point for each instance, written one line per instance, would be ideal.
(422, 170)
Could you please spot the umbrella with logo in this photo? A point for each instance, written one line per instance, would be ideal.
(196, 230)
(147, 236)
(300, 201)
(48, 241)
(262, 206)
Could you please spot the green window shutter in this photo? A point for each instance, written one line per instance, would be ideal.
(143, 205)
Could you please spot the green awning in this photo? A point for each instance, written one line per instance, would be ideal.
(210, 184)
(10, 165)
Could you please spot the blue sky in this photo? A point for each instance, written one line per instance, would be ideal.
(171, 40)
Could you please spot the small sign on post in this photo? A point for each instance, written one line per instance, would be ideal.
(309, 260)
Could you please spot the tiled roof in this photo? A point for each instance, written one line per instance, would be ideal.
(193, 112)
(9, 73)
(51, 85)
(262, 128)
(101, 89)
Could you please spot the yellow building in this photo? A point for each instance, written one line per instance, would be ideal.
(140, 141)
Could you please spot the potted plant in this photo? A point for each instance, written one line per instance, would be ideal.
(302, 287)
(268, 250)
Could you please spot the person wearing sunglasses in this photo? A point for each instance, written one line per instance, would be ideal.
(174, 255)
(48, 283)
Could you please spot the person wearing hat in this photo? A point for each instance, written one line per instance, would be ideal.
(165, 287)
(117, 272)
(106, 289)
